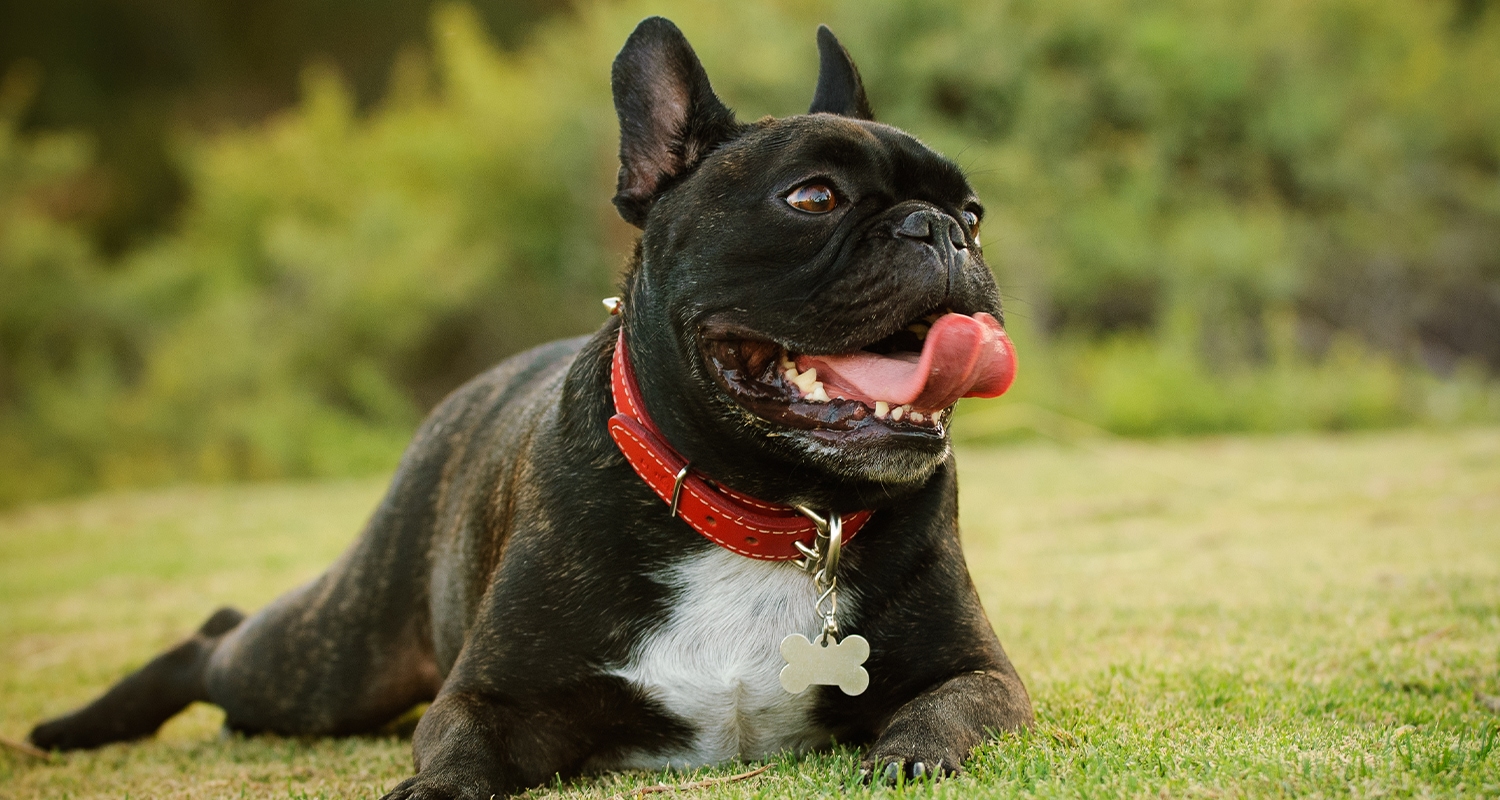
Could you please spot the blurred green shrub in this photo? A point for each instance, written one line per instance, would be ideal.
(1207, 216)
(60, 349)
(129, 73)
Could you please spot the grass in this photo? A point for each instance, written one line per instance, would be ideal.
(1288, 616)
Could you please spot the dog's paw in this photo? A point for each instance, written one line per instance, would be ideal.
(421, 787)
(50, 735)
(67, 733)
(895, 770)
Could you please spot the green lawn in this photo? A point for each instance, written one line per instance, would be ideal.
(1291, 616)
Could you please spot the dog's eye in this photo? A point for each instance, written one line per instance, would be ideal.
(972, 221)
(814, 198)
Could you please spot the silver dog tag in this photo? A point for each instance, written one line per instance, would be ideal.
(825, 663)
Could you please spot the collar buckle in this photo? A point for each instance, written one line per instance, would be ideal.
(677, 489)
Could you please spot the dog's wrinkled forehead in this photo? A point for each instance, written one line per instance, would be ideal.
(869, 158)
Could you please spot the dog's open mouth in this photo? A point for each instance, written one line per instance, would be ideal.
(907, 381)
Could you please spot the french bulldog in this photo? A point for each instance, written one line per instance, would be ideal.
(595, 555)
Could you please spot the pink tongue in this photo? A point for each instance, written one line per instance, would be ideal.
(961, 357)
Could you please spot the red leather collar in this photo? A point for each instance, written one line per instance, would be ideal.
(738, 522)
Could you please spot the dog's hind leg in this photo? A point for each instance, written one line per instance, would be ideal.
(342, 655)
(139, 704)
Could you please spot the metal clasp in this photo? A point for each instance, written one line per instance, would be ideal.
(822, 562)
(824, 553)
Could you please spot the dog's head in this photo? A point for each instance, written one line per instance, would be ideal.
(809, 300)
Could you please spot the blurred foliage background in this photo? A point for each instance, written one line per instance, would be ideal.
(260, 240)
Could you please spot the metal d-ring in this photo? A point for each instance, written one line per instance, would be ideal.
(677, 489)
(817, 519)
(835, 545)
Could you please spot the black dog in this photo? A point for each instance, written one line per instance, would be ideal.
(806, 303)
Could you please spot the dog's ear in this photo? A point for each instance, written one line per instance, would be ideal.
(669, 115)
(840, 91)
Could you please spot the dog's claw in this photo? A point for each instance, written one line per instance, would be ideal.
(892, 772)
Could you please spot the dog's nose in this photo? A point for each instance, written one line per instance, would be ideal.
(932, 227)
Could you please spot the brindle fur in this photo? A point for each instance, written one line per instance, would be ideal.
(511, 562)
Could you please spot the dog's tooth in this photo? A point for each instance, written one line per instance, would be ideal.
(898, 412)
(882, 408)
(790, 374)
(806, 379)
(818, 395)
(919, 329)
(918, 417)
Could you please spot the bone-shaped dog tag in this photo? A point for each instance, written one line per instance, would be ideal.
(826, 663)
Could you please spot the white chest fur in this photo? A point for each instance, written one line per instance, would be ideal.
(714, 662)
